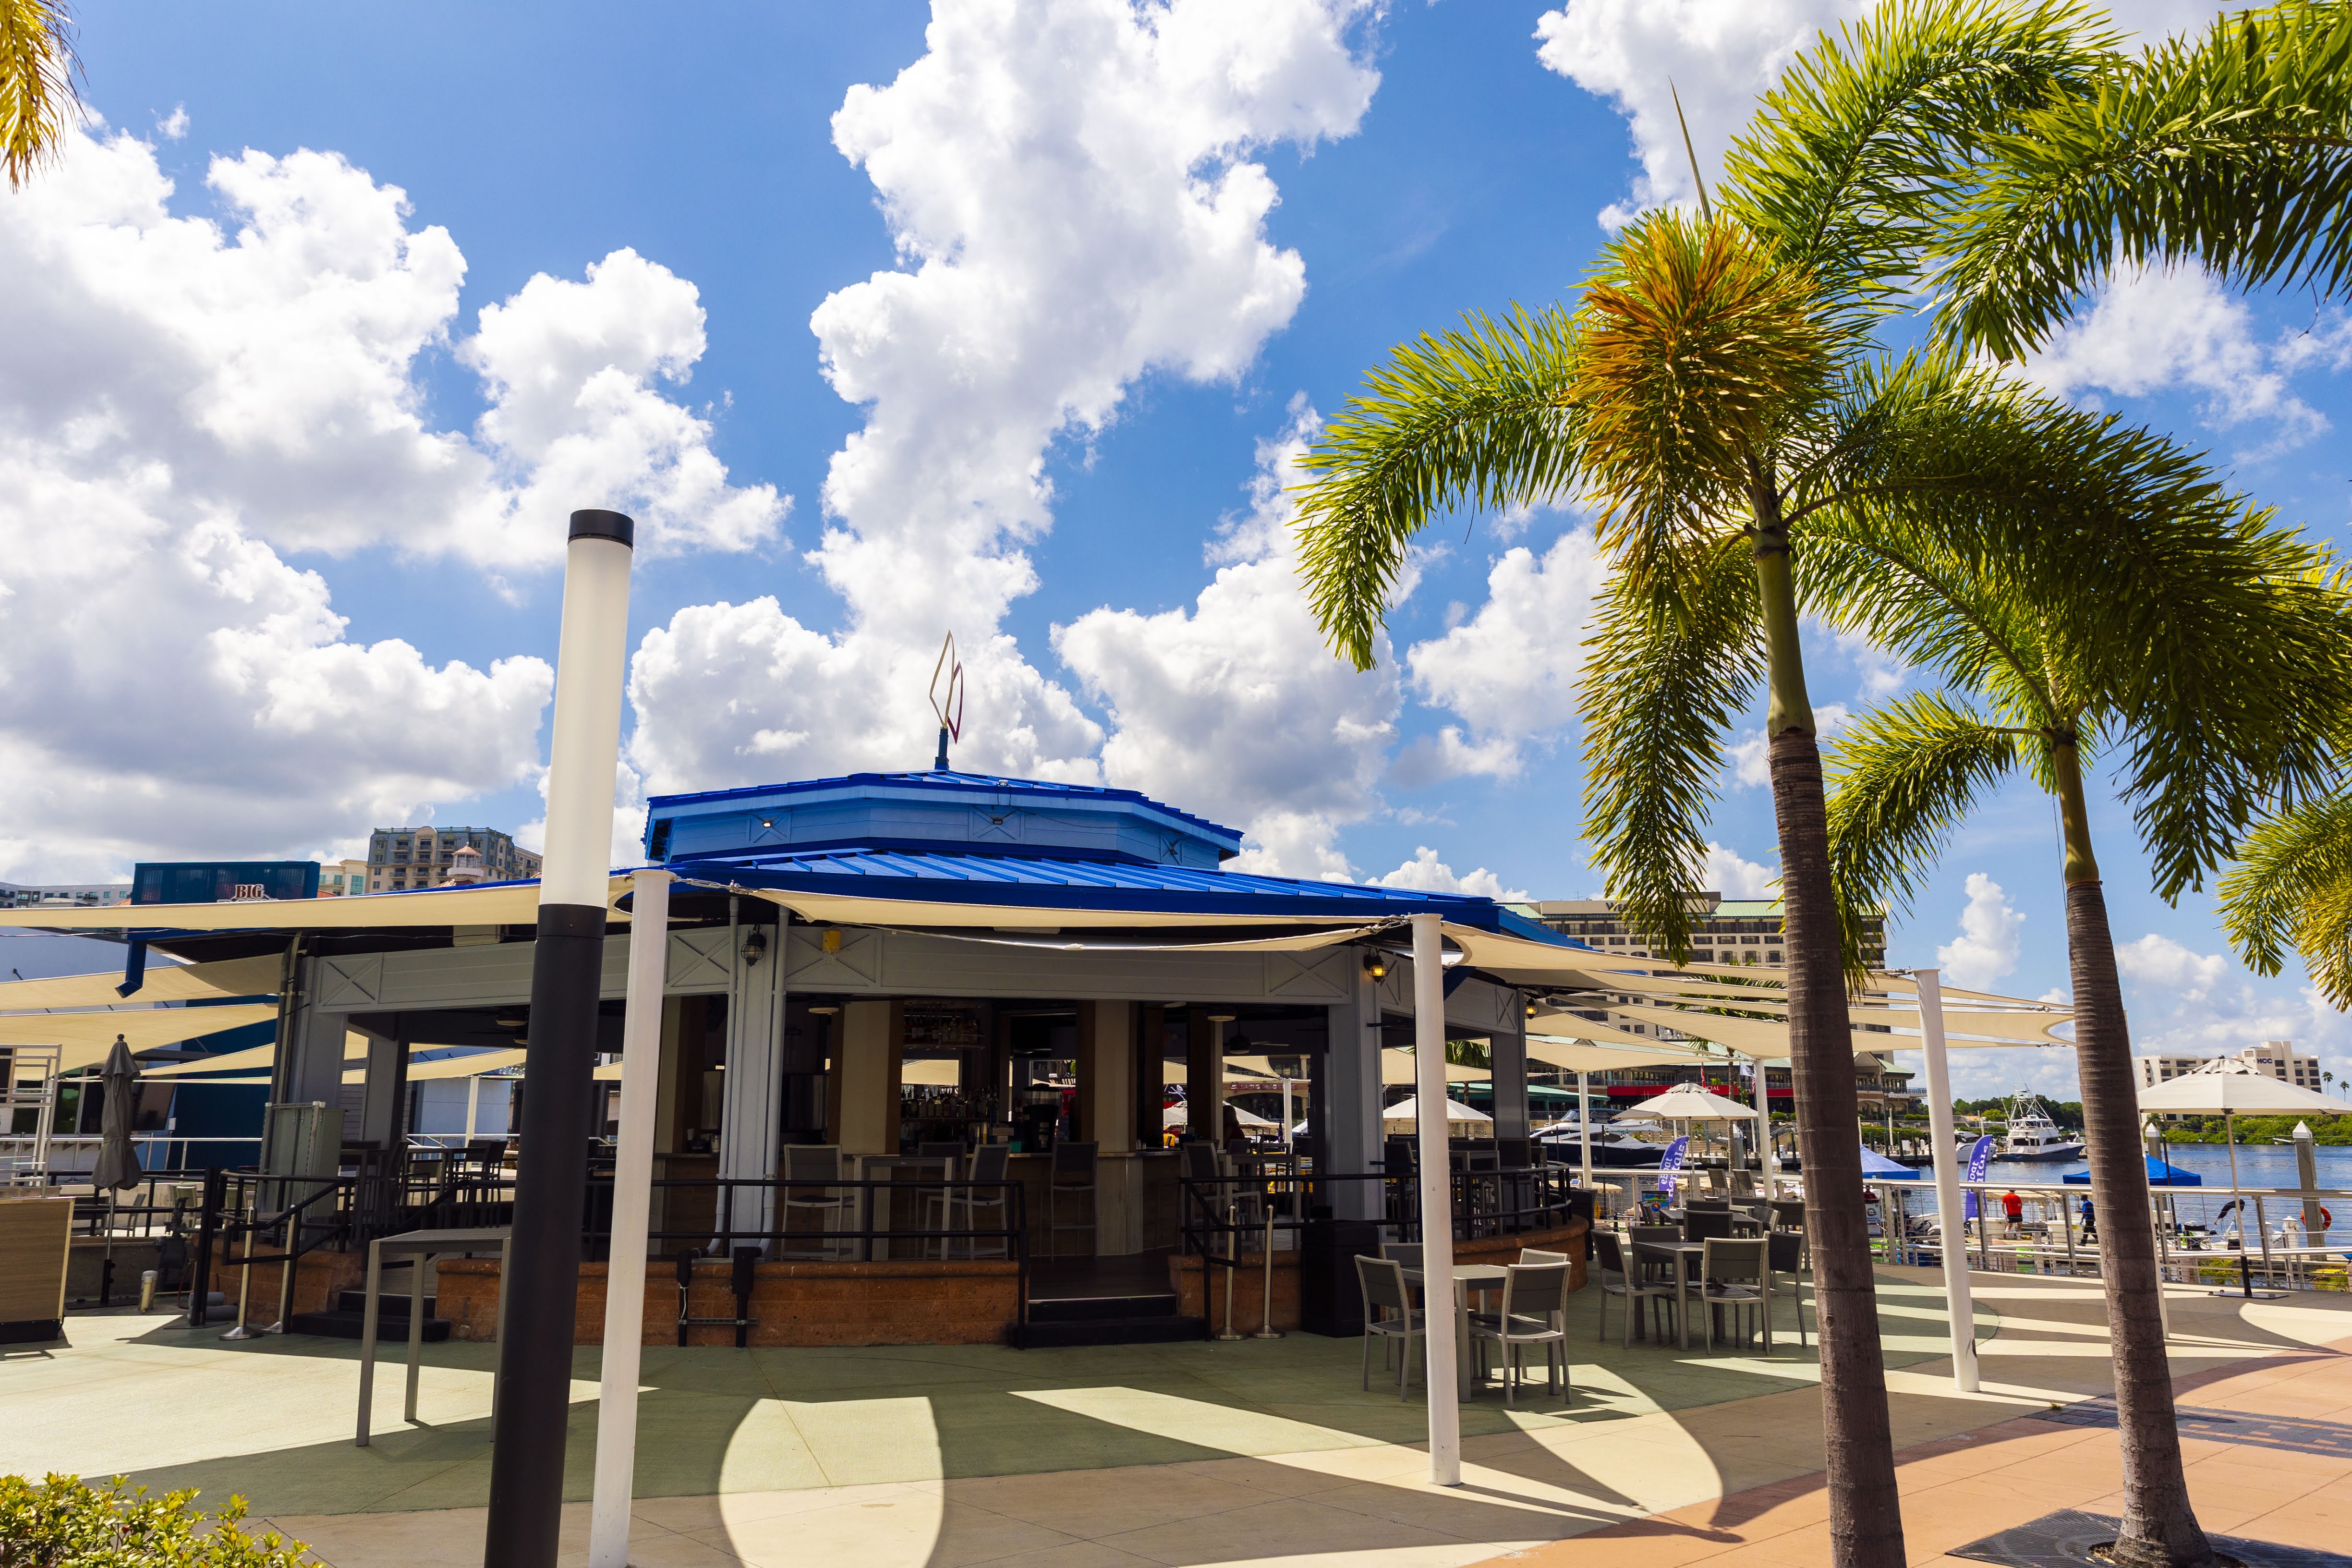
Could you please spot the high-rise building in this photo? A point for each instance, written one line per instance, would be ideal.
(424, 856)
(2278, 1059)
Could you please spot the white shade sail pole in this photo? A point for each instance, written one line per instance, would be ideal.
(1435, 1157)
(1944, 1138)
(1584, 1127)
(624, 1275)
(1768, 1160)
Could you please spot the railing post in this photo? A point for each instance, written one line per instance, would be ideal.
(200, 1284)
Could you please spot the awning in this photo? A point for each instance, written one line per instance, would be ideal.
(255, 976)
(489, 903)
(356, 1047)
(87, 1036)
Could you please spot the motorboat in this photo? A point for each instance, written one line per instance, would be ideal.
(1611, 1150)
(2033, 1136)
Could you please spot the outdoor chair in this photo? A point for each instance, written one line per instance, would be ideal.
(811, 1170)
(1732, 1275)
(1389, 1313)
(1534, 1312)
(1073, 1177)
(1659, 1276)
(1784, 1259)
(1706, 1224)
(1530, 1255)
(1405, 1253)
(1204, 1163)
(962, 1208)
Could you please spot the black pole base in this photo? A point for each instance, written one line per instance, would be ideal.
(542, 1282)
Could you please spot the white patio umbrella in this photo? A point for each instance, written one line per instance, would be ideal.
(2229, 1086)
(1180, 1115)
(1404, 1116)
(1689, 1102)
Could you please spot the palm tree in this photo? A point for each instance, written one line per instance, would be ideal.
(2218, 688)
(1717, 392)
(39, 100)
(2292, 887)
(2235, 150)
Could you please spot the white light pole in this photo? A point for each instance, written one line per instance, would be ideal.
(541, 1284)
(624, 1272)
(1944, 1141)
(1435, 1157)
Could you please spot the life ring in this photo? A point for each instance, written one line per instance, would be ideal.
(2327, 1220)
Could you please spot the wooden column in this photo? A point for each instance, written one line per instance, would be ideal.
(869, 1061)
(1106, 1074)
(1204, 1072)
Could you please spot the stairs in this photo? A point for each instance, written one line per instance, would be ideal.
(347, 1320)
(1145, 1317)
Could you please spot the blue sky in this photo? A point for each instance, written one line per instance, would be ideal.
(1089, 272)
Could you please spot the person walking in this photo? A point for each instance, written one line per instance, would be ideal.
(2090, 1220)
(2014, 1206)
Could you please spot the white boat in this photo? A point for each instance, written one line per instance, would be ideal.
(2033, 1136)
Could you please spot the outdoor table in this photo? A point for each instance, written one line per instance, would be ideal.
(1482, 1278)
(1685, 1255)
(874, 1202)
(416, 1246)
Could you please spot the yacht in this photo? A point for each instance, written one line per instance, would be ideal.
(1611, 1150)
(2033, 1136)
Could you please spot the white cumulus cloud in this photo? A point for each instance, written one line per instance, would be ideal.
(1729, 873)
(2153, 330)
(1233, 706)
(187, 399)
(1510, 670)
(2162, 963)
(1072, 193)
(1427, 874)
(1986, 949)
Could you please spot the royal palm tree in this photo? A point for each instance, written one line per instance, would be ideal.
(39, 99)
(1717, 394)
(2216, 692)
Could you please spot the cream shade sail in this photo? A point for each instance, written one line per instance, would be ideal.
(1580, 1055)
(1397, 1067)
(165, 982)
(499, 903)
(87, 1037)
(355, 1047)
(1404, 1116)
(1575, 1027)
(473, 1065)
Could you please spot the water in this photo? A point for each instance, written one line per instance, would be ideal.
(2259, 1166)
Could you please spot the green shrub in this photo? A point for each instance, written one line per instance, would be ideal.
(66, 1523)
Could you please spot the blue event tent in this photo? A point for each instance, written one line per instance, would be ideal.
(2160, 1175)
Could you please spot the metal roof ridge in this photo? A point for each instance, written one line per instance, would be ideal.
(933, 778)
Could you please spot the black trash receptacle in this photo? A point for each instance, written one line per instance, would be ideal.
(1330, 1298)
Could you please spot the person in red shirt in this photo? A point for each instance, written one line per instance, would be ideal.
(2015, 1206)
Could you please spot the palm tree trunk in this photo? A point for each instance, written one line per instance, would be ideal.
(2161, 1528)
(1866, 1511)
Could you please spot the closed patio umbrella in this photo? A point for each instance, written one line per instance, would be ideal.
(118, 1161)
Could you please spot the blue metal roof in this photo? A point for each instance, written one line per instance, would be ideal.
(1014, 881)
(948, 811)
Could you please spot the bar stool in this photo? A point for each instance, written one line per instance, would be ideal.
(1073, 1174)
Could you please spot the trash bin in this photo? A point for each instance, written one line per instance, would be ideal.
(1330, 1298)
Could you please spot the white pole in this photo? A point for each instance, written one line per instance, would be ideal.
(1435, 1160)
(1769, 1155)
(1944, 1144)
(473, 1104)
(1585, 1132)
(625, 1276)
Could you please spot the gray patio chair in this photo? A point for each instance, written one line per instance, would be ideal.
(1732, 1275)
(1389, 1313)
(1611, 1265)
(1407, 1253)
(1537, 1256)
(943, 1208)
(810, 1172)
(1784, 1259)
(1534, 1312)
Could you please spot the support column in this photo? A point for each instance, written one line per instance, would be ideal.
(1204, 1073)
(868, 1063)
(383, 1114)
(1106, 1074)
(1437, 1173)
(1508, 1056)
(1944, 1147)
(1151, 1073)
(1353, 1099)
(752, 1107)
(309, 1069)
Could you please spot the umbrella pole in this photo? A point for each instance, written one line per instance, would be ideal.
(1584, 1123)
(106, 1263)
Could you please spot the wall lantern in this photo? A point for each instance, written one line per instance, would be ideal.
(1376, 966)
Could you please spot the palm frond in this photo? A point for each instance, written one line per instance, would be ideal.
(40, 98)
(1667, 669)
(1481, 417)
(1900, 781)
(2292, 887)
(2235, 149)
(1695, 352)
(1872, 130)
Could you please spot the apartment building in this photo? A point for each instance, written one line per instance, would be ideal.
(1725, 930)
(340, 877)
(424, 856)
(2279, 1059)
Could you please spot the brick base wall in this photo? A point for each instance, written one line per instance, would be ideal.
(319, 1278)
(908, 1303)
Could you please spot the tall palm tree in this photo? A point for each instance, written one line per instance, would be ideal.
(2292, 887)
(1718, 394)
(39, 98)
(2218, 688)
